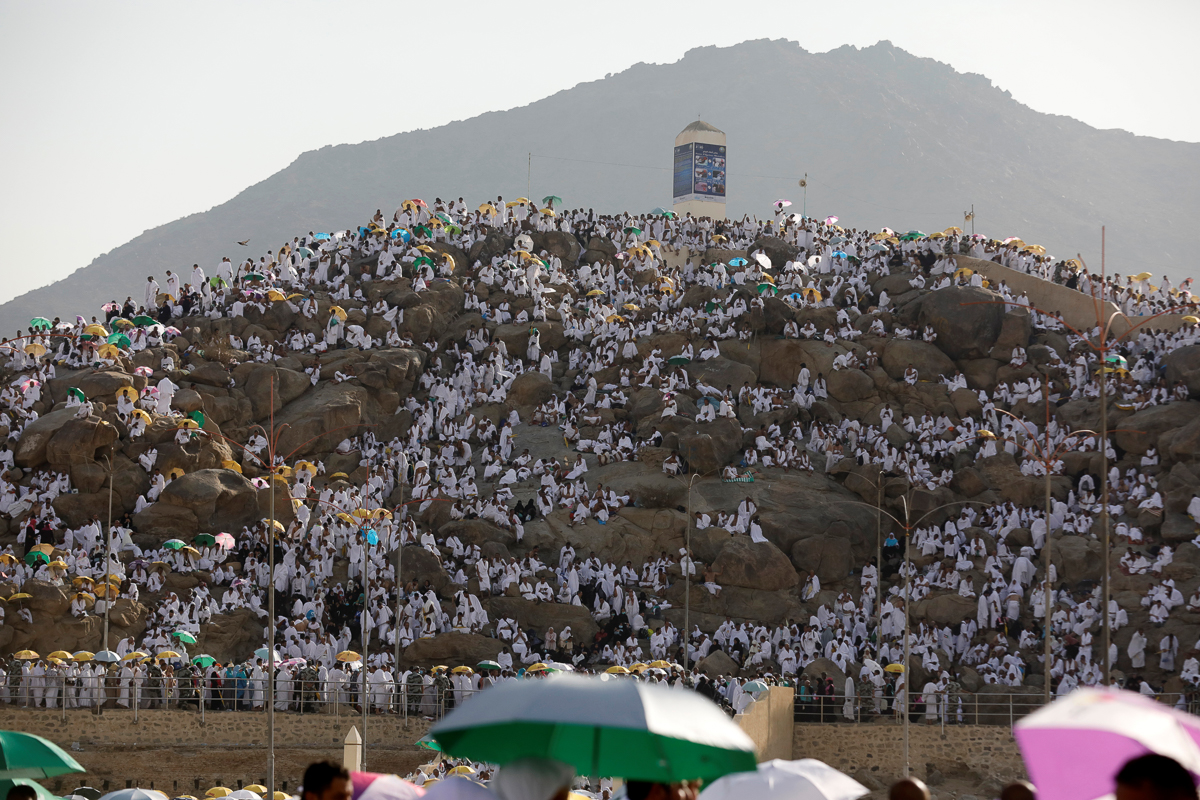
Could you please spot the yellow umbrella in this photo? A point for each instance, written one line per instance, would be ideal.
(953, 229)
(811, 294)
(286, 796)
(275, 295)
(894, 668)
(142, 415)
(107, 590)
(347, 656)
(344, 517)
(221, 791)
(464, 671)
(424, 248)
(595, 293)
(257, 788)
(381, 513)
(20, 596)
(618, 670)
(936, 235)
(35, 349)
(963, 272)
(7, 558)
(339, 475)
(614, 318)
(167, 654)
(338, 312)
(109, 351)
(660, 664)
(768, 278)
(449, 260)
(175, 472)
(135, 654)
(59, 654)
(190, 551)
(95, 330)
(189, 424)
(89, 600)
(26, 655)
(549, 212)
(82, 580)
(461, 769)
(638, 667)
(233, 465)
(120, 322)
(1142, 276)
(58, 563)
(719, 238)
(632, 307)
(1191, 319)
(55, 661)
(538, 667)
(1036, 248)
(307, 466)
(279, 526)
(128, 392)
(83, 655)
(489, 209)
(362, 513)
(42, 548)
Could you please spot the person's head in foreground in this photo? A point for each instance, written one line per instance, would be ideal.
(1155, 777)
(22, 792)
(533, 779)
(326, 780)
(645, 790)
(908, 789)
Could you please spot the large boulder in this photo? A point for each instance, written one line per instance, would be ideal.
(221, 499)
(967, 320)
(451, 648)
(850, 385)
(541, 616)
(323, 417)
(162, 521)
(722, 373)
(1183, 364)
(716, 664)
(946, 609)
(270, 389)
(830, 557)
(779, 251)
(755, 566)
(1139, 432)
(709, 446)
(530, 389)
(930, 362)
(30, 451)
(78, 440)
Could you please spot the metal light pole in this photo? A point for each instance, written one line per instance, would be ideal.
(402, 468)
(907, 641)
(270, 621)
(687, 575)
(108, 553)
(1104, 476)
(363, 620)
(804, 186)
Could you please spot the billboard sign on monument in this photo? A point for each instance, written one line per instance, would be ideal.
(699, 173)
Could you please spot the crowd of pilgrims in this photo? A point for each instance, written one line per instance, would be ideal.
(449, 455)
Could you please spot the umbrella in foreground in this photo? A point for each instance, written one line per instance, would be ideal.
(373, 786)
(135, 794)
(1074, 747)
(806, 779)
(23, 755)
(625, 729)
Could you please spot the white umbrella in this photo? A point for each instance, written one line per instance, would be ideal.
(243, 794)
(134, 794)
(1074, 747)
(806, 779)
(763, 259)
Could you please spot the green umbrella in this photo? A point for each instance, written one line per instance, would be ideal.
(143, 320)
(711, 306)
(625, 729)
(198, 416)
(77, 394)
(488, 666)
(34, 556)
(253, 276)
(678, 361)
(421, 230)
(175, 544)
(453, 229)
(40, 323)
(204, 660)
(444, 217)
(206, 539)
(634, 230)
(184, 637)
(551, 199)
(422, 261)
(428, 743)
(119, 339)
(23, 755)
(216, 282)
(765, 287)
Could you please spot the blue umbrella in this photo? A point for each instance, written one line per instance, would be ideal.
(402, 234)
(106, 657)
(737, 262)
(320, 236)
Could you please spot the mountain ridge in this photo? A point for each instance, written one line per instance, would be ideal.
(887, 138)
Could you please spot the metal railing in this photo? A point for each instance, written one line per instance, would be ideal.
(60, 693)
(952, 708)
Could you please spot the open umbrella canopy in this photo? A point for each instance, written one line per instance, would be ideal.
(23, 755)
(1074, 747)
(184, 636)
(620, 728)
(551, 199)
(40, 323)
(205, 539)
(77, 393)
(489, 666)
(375, 786)
(7, 784)
(806, 779)
(106, 657)
(204, 660)
(174, 544)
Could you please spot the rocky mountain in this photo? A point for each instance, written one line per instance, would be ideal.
(885, 137)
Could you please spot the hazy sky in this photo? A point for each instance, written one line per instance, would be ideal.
(121, 116)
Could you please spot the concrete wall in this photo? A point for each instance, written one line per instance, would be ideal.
(175, 751)
(1076, 308)
(770, 722)
(876, 749)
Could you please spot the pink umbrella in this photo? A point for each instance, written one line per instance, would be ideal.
(110, 307)
(1074, 747)
(146, 371)
(782, 203)
(225, 540)
(374, 786)
(830, 220)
